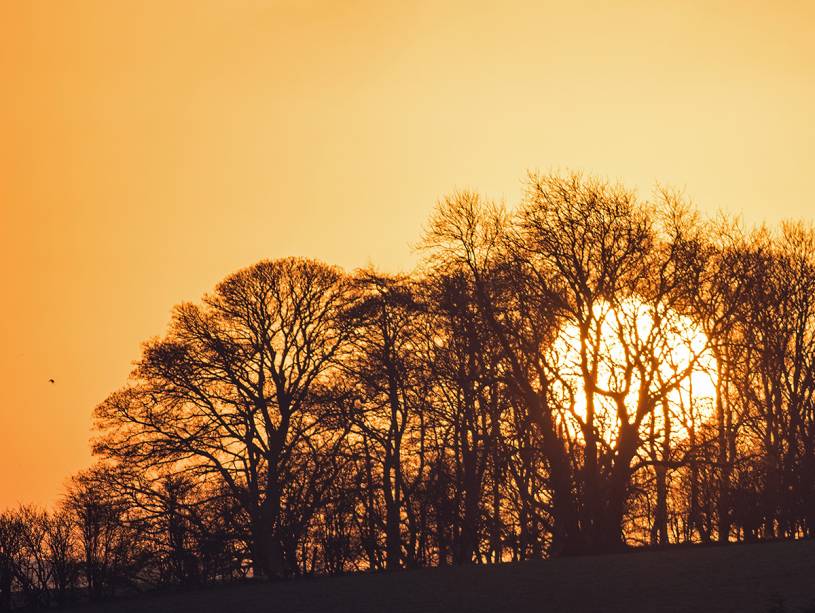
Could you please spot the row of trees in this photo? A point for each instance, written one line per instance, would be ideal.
(587, 372)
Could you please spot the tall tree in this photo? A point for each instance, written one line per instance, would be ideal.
(226, 394)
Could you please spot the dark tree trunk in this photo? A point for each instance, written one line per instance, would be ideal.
(725, 468)
(659, 533)
(393, 536)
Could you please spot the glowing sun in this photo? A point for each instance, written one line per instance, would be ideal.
(622, 345)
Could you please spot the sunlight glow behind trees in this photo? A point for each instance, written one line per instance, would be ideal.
(669, 338)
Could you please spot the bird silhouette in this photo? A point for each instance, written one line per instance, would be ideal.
(50, 380)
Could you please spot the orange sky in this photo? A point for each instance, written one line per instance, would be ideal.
(151, 147)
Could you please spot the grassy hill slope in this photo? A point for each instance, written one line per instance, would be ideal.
(763, 578)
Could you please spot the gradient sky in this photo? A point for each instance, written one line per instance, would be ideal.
(149, 148)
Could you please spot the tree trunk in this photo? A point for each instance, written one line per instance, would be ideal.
(659, 532)
(725, 469)
(266, 549)
(610, 521)
(393, 536)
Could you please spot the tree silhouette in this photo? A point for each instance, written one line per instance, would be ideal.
(531, 390)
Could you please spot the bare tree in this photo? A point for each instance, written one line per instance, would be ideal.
(382, 370)
(225, 394)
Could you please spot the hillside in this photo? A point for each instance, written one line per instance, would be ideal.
(761, 578)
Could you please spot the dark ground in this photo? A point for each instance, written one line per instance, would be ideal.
(763, 578)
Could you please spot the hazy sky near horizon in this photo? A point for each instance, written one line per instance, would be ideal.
(149, 148)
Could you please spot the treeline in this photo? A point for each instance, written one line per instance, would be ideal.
(586, 372)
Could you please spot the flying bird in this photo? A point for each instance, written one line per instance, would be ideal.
(50, 380)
